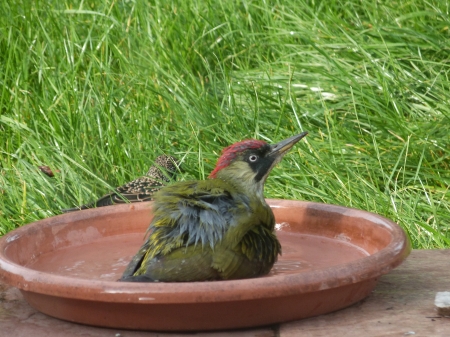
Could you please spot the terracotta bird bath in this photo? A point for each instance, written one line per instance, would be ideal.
(66, 266)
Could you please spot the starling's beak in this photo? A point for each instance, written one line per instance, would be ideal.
(279, 149)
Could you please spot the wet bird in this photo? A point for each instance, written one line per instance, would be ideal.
(140, 189)
(215, 229)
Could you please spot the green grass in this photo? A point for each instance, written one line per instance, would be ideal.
(98, 89)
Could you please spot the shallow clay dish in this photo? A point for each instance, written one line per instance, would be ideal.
(66, 267)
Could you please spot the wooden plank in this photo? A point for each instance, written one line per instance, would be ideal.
(402, 304)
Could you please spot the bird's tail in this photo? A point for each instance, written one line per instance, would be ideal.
(138, 278)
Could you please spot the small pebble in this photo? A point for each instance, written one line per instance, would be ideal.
(442, 303)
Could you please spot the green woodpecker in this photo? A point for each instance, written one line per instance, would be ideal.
(140, 189)
(215, 229)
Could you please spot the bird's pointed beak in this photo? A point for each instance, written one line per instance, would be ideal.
(279, 149)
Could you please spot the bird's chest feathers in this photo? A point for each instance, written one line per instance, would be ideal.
(258, 215)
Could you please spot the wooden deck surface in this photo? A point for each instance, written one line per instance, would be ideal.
(401, 305)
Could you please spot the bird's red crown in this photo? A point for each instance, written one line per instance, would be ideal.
(230, 152)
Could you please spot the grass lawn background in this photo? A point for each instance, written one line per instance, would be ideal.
(98, 89)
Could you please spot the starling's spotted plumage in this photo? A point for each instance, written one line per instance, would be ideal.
(140, 189)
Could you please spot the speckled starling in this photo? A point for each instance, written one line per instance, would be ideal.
(140, 189)
(215, 229)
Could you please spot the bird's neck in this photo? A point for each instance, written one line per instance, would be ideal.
(244, 181)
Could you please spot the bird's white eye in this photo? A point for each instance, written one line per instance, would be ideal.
(253, 158)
